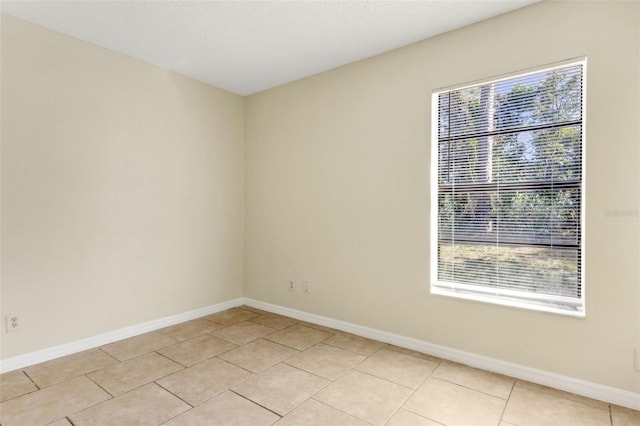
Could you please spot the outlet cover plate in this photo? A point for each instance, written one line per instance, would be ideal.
(12, 323)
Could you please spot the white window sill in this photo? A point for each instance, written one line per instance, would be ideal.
(505, 300)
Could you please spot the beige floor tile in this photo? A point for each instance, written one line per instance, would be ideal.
(622, 416)
(299, 337)
(366, 397)
(196, 350)
(280, 388)
(243, 332)
(353, 343)
(455, 405)
(407, 418)
(473, 378)
(149, 405)
(315, 413)
(14, 384)
(232, 316)
(138, 345)
(61, 422)
(70, 366)
(258, 355)
(134, 373)
(415, 353)
(190, 329)
(52, 403)
(226, 409)
(202, 381)
(325, 361)
(318, 327)
(256, 310)
(397, 367)
(562, 394)
(274, 321)
(528, 407)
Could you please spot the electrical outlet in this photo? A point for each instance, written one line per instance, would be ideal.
(637, 360)
(12, 323)
(292, 286)
(306, 286)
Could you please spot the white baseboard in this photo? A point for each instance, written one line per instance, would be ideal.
(48, 354)
(569, 384)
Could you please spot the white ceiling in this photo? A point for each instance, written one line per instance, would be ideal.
(249, 46)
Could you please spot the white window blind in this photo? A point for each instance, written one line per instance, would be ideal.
(507, 195)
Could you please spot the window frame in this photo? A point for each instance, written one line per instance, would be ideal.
(485, 294)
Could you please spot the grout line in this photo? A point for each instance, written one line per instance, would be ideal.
(178, 396)
(32, 381)
(345, 372)
(100, 386)
(610, 415)
(177, 362)
(172, 360)
(562, 394)
(259, 405)
(337, 409)
(513, 386)
(430, 375)
(240, 367)
(305, 371)
(415, 354)
(413, 391)
(281, 344)
(422, 416)
(22, 394)
(384, 378)
(354, 368)
(111, 398)
(108, 354)
(469, 388)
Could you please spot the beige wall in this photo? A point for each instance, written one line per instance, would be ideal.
(122, 190)
(337, 191)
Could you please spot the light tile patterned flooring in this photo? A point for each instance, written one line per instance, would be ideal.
(249, 367)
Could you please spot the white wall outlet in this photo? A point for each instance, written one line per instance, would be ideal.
(637, 360)
(292, 286)
(12, 323)
(306, 286)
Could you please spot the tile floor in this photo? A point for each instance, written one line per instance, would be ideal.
(249, 367)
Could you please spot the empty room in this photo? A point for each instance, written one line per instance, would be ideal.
(320, 213)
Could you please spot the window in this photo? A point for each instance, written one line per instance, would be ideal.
(507, 190)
